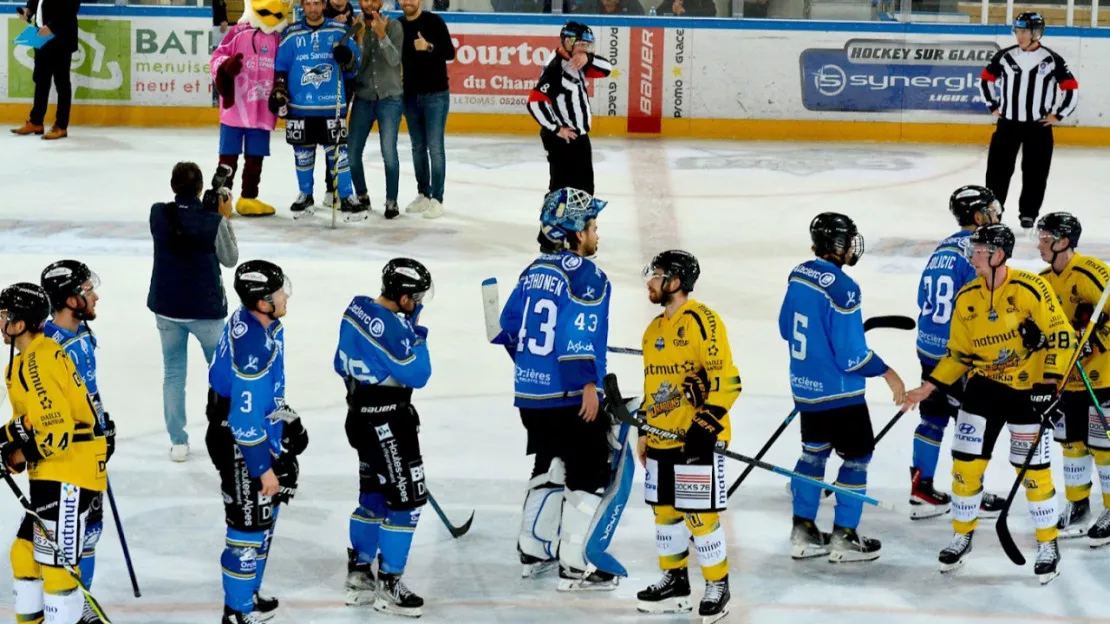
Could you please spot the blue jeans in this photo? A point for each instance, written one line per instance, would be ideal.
(364, 113)
(175, 351)
(426, 116)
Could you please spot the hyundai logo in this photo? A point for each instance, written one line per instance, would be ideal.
(830, 80)
(967, 429)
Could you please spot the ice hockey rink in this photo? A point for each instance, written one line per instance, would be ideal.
(742, 208)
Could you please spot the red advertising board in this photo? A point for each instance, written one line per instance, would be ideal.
(499, 65)
(645, 80)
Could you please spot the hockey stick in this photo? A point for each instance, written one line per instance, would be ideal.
(612, 392)
(888, 427)
(763, 451)
(52, 542)
(1094, 400)
(123, 542)
(455, 531)
(893, 321)
(1001, 527)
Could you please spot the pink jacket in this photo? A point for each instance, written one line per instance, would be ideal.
(254, 83)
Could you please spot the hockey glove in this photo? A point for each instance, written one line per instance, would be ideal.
(279, 95)
(225, 78)
(695, 387)
(287, 470)
(1041, 397)
(344, 56)
(701, 437)
(21, 437)
(110, 435)
(1032, 338)
(294, 438)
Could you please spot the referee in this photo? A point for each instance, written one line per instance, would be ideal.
(560, 104)
(1028, 77)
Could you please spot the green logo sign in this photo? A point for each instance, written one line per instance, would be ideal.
(101, 66)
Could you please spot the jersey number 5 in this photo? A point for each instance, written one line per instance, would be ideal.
(798, 345)
(549, 311)
(938, 298)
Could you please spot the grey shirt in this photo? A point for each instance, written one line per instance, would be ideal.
(379, 72)
(227, 246)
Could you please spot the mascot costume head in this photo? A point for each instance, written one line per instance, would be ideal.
(243, 71)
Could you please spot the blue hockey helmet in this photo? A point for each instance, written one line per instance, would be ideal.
(568, 210)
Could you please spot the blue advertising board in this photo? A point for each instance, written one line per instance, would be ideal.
(872, 75)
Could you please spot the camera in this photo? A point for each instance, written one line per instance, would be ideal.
(211, 199)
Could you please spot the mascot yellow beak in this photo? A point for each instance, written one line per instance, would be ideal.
(271, 15)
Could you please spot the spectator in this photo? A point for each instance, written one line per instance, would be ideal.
(191, 241)
(427, 48)
(52, 60)
(378, 94)
(219, 29)
(340, 11)
(612, 7)
(689, 8)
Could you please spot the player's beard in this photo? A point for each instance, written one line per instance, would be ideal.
(659, 297)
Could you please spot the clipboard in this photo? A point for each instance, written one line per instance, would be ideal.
(30, 37)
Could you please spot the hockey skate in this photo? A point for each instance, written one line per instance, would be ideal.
(394, 597)
(534, 566)
(265, 607)
(848, 546)
(1048, 561)
(571, 579)
(354, 209)
(670, 594)
(303, 206)
(232, 616)
(991, 506)
(807, 541)
(925, 500)
(1074, 518)
(1099, 533)
(714, 605)
(952, 557)
(361, 586)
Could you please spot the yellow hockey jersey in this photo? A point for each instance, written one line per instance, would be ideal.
(48, 394)
(1078, 288)
(985, 336)
(693, 339)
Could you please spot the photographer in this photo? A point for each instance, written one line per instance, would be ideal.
(192, 238)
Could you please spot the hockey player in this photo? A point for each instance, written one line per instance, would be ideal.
(310, 69)
(1009, 330)
(71, 287)
(557, 325)
(690, 383)
(946, 272)
(253, 437)
(382, 357)
(1078, 281)
(829, 365)
(54, 432)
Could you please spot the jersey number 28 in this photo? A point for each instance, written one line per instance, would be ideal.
(938, 298)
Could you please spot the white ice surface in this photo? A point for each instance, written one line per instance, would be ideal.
(743, 208)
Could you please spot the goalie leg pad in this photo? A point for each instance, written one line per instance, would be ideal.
(967, 493)
(622, 468)
(366, 522)
(240, 568)
(709, 541)
(672, 537)
(579, 509)
(539, 527)
(1041, 495)
(1077, 471)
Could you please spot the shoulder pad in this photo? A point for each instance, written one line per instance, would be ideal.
(1035, 283)
(842, 289)
(587, 280)
(974, 284)
(251, 346)
(374, 319)
(1097, 266)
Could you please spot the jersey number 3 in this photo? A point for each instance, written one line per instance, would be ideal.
(938, 298)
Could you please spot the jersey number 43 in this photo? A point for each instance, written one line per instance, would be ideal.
(546, 312)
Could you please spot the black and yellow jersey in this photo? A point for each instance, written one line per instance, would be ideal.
(1078, 288)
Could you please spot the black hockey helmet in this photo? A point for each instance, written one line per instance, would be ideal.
(968, 200)
(577, 31)
(1061, 225)
(675, 263)
(995, 236)
(1032, 21)
(66, 278)
(835, 234)
(258, 280)
(405, 276)
(25, 302)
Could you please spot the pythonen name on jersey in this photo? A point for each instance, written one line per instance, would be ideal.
(553, 284)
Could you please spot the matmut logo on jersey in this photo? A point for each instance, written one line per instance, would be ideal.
(872, 75)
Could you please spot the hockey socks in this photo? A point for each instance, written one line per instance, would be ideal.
(811, 464)
(88, 553)
(967, 494)
(927, 439)
(264, 552)
(709, 542)
(240, 568)
(305, 156)
(852, 476)
(672, 538)
(1102, 465)
(346, 189)
(396, 539)
(366, 522)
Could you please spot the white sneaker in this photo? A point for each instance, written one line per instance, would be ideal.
(179, 452)
(434, 210)
(420, 204)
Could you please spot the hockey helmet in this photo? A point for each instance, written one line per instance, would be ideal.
(994, 237)
(1061, 225)
(578, 32)
(67, 278)
(405, 276)
(1032, 21)
(835, 234)
(25, 302)
(675, 263)
(968, 200)
(258, 280)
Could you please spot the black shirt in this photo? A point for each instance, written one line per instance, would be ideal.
(426, 72)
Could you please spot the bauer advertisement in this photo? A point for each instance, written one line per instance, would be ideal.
(676, 71)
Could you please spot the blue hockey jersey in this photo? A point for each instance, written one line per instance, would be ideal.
(821, 321)
(558, 319)
(249, 370)
(947, 271)
(305, 55)
(80, 346)
(378, 346)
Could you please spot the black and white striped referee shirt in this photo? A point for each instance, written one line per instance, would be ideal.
(1028, 84)
(559, 99)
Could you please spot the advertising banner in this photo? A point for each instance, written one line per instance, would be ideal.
(495, 73)
(645, 80)
(870, 75)
(101, 67)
